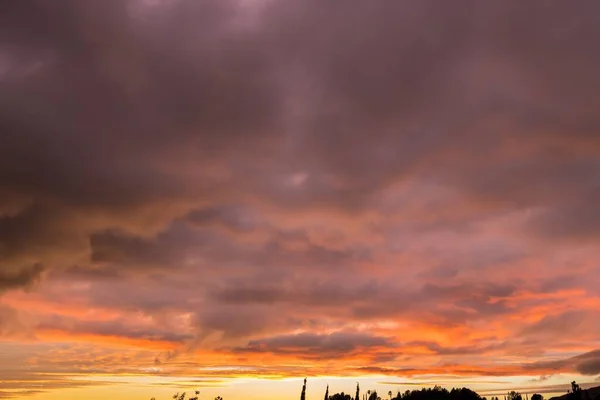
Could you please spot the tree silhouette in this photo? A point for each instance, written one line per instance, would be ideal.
(435, 393)
(303, 394)
(514, 396)
(340, 396)
(464, 394)
(575, 392)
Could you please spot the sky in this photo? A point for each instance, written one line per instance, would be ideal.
(233, 195)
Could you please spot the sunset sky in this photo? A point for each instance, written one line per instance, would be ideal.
(232, 195)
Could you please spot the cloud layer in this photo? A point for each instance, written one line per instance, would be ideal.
(410, 187)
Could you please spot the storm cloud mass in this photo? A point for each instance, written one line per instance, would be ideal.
(408, 186)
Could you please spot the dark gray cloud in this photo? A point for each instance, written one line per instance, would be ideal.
(120, 108)
(22, 279)
(249, 307)
(576, 219)
(159, 83)
(589, 367)
(124, 249)
(580, 323)
(99, 104)
(338, 344)
(438, 349)
(427, 96)
(113, 328)
(585, 364)
(315, 293)
(203, 246)
(236, 322)
(234, 218)
(588, 363)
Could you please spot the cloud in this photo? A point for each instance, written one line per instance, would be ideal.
(113, 328)
(21, 279)
(581, 323)
(585, 364)
(10, 324)
(237, 105)
(13, 386)
(235, 322)
(423, 171)
(435, 348)
(574, 219)
(91, 155)
(542, 378)
(308, 344)
(588, 363)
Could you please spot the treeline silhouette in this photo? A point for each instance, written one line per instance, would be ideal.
(434, 393)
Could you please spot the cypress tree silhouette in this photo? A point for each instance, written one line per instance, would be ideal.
(303, 394)
(357, 392)
(327, 393)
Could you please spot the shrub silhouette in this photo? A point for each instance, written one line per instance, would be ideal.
(514, 396)
(373, 396)
(340, 396)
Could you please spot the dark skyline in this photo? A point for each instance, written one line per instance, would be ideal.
(229, 190)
